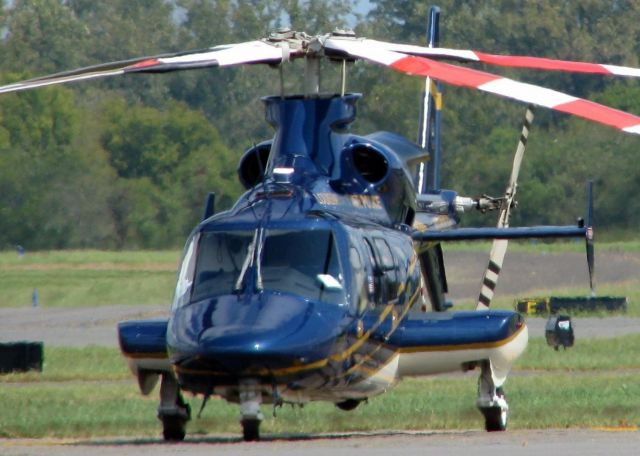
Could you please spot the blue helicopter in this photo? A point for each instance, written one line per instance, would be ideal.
(315, 284)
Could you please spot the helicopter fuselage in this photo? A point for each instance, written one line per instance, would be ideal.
(310, 287)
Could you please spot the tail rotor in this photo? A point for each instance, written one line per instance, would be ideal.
(499, 247)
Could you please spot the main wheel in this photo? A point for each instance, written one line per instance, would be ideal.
(495, 419)
(174, 428)
(250, 430)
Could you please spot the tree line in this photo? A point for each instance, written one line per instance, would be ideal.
(126, 162)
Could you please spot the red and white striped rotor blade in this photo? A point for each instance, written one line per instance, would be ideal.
(488, 82)
(513, 61)
(219, 56)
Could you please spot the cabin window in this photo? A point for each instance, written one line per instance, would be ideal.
(384, 271)
(359, 295)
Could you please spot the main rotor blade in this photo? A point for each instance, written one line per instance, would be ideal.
(487, 82)
(513, 61)
(220, 56)
(499, 246)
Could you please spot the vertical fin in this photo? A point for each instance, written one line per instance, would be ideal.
(428, 177)
(428, 174)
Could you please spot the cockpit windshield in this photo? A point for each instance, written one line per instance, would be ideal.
(220, 259)
(304, 263)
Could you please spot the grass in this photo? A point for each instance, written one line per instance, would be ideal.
(605, 355)
(87, 278)
(62, 364)
(552, 400)
(167, 258)
(88, 392)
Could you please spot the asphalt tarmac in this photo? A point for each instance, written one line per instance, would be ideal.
(583, 442)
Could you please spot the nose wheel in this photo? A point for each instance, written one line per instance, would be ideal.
(250, 429)
(250, 394)
(173, 412)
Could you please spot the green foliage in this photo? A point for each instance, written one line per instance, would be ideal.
(126, 162)
(43, 36)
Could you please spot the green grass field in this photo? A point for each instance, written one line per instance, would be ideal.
(89, 392)
(88, 278)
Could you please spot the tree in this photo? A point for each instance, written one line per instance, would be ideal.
(167, 161)
(53, 193)
(42, 36)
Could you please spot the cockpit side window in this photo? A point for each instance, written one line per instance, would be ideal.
(185, 275)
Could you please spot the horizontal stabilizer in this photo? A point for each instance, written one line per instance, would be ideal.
(528, 232)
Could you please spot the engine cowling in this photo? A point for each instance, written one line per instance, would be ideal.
(362, 166)
(369, 167)
(253, 164)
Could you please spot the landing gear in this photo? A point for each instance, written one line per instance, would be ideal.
(492, 401)
(250, 394)
(173, 411)
(250, 430)
(496, 416)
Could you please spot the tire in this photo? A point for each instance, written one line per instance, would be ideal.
(173, 428)
(250, 430)
(495, 419)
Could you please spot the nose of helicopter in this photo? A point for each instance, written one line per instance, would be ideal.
(258, 335)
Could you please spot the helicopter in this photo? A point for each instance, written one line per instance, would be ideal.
(314, 285)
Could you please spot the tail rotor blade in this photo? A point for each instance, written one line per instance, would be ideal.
(491, 274)
(499, 247)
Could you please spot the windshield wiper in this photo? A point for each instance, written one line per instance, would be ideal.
(248, 261)
(259, 259)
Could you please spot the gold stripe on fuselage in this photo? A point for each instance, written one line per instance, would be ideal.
(458, 347)
(157, 355)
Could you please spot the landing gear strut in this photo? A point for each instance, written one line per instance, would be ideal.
(173, 411)
(492, 401)
(250, 395)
